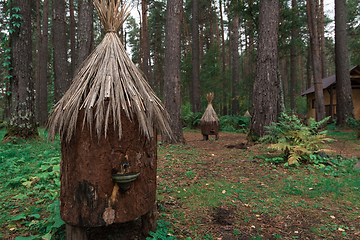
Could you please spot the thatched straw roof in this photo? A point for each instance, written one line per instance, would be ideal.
(106, 83)
(210, 115)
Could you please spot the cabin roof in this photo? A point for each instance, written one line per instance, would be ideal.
(328, 81)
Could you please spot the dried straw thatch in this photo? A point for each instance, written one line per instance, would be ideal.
(210, 115)
(106, 83)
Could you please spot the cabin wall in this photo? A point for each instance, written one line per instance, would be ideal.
(311, 105)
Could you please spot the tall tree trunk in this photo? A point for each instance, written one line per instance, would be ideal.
(223, 70)
(43, 65)
(85, 30)
(60, 48)
(293, 57)
(322, 39)
(145, 42)
(319, 94)
(195, 58)
(344, 101)
(38, 56)
(72, 38)
(186, 32)
(284, 79)
(308, 69)
(266, 91)
(22, 122)
(172, 79)
(211, 23)
(235, 65)
(251, 55)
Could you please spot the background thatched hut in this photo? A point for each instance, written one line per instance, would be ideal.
(107, 121)
(209, 122)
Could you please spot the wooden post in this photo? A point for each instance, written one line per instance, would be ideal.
(75, 233)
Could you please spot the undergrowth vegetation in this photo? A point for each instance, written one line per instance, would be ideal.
(228, 123)
(202, 194)
(299, 142)
(30, 185)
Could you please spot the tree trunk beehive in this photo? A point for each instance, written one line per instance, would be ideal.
(89, 197)
(210, 128)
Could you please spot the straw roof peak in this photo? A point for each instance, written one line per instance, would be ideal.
(209, 115)
(210, 97)
(106, 84)
(111, 14)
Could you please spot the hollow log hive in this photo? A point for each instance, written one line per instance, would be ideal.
(209, 122)
(89, 196)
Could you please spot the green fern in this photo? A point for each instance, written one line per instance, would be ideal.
(297, 140)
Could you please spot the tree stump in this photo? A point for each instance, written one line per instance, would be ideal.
(89, 197)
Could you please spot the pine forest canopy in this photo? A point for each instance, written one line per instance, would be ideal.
(106, 83)
(216, 43)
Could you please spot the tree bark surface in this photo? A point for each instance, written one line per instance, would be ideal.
(145, 43)
(22, 122)
(235, 65)
(195, 58)
(85, 30)
(172, 79)
(344, 101)
(314, 40)
(60, 48)
(293, 57)
(44, 64)
(266, 89)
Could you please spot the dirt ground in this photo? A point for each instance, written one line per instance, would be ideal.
(222, 220)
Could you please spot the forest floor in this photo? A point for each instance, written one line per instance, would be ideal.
(222, 189)
(227, 189)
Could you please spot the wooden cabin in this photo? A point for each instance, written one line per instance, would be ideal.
(329, 86)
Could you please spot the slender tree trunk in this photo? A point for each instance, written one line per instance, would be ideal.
(141, 44)
(319, 94)
(72, 38)
(322, 40)
(235, 65)
(38, 56)
(251, 55)
(344, 101)
(43, 65)
(186, 32)
(172, 79)
(85, 30)
(145, 42)
(284, 79)
(293, 57)
(308, 69)
(211, 23)
(22, 122)
(223, 70)
(201, 37)
(195, 58)
(266, 91)
(60, 48)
